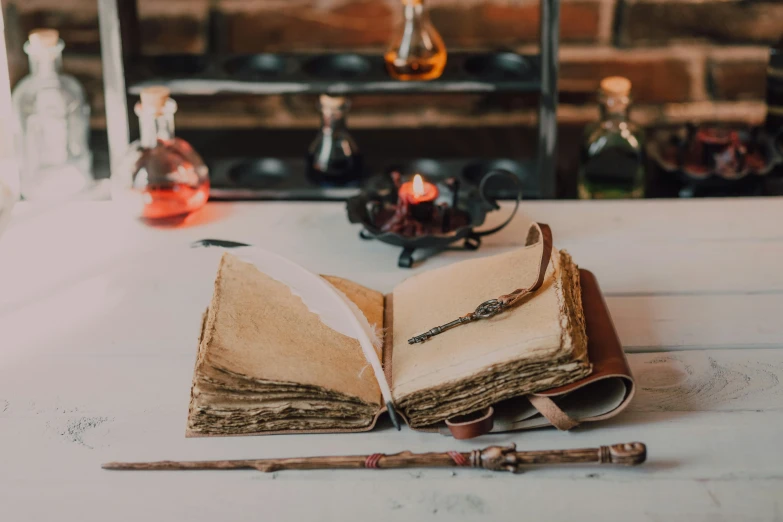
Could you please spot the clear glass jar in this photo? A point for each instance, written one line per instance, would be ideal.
(9, 174)
(417, 51)
(333, 157)
(53, 124)
(612, 159)
(161, 176)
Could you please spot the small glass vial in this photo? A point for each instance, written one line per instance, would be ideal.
(53, 124)
(612, 162)
(333, 157)
(161, 177)
(417, 51)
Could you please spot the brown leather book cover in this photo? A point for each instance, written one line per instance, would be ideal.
(604, 393)
(244, 384)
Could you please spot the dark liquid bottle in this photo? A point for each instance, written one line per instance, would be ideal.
(333, 158)
(612, 160)
(774, 121)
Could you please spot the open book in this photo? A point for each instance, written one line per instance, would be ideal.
(268, 364)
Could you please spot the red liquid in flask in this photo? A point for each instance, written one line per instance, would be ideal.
(161, 177)
(174, 201)
(169, 181)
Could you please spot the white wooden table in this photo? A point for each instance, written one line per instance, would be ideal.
(97, 351)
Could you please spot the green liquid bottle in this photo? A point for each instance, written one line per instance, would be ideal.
(612, 160)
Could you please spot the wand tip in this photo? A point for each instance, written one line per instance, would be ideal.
(393, 416)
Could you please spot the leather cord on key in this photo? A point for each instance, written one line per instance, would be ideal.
(474, 427)
(546, 255)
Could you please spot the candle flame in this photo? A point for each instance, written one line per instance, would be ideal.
(418, 185)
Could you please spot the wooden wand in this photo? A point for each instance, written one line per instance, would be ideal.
(494, 458)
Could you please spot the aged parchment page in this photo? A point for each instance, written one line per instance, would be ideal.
(267, 363)
(534, 335)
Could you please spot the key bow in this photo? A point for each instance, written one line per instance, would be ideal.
(488, 308)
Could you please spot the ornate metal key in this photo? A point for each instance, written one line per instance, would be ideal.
(539, 232)
(485, 310)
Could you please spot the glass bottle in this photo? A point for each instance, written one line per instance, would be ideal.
(9, 175)
(774, 95)
(417, 51)
(161, 176)
(53, 124)
(612, 162)
(333, 157)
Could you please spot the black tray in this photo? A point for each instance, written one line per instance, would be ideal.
(336, 73)
(286, 178)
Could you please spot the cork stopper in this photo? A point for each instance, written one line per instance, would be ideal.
(616, 86)
(44, 38)
(331, 102)
(154, 98)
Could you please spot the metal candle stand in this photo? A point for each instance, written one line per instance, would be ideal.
(126, 71)
(473, 204)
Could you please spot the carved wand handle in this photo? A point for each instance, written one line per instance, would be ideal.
(494, 458)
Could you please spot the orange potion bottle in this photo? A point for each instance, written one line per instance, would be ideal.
(161, 177)
(417, 51)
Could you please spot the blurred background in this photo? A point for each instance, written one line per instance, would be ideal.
(688, 61)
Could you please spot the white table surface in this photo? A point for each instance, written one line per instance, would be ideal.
(98, 326)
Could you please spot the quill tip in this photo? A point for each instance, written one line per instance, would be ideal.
(393, 415)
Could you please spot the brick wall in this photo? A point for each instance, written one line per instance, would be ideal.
(700, 60)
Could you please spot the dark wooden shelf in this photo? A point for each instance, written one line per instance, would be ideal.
(336, 74)
(127, 70)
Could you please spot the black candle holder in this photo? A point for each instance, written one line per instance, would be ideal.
(463, 211)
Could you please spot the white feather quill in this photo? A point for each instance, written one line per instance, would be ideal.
(334, 308)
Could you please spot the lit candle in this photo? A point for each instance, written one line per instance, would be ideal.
(418, 191)
(419, 196)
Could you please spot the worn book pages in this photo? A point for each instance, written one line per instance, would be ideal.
(267, 363)
(536, 345)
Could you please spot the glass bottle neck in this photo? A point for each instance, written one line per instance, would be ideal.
(155, 128)
(45, 64)
(614, 107)
(413, 9)
(332, 120)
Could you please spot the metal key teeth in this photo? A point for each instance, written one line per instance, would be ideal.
(426, 335)
(419, 338)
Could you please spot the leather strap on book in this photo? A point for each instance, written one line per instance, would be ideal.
(492, 307)
(545, 234)
(552, 412)
(467, 428)
(471, 425)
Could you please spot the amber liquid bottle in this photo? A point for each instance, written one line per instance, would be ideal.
(417, 51)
